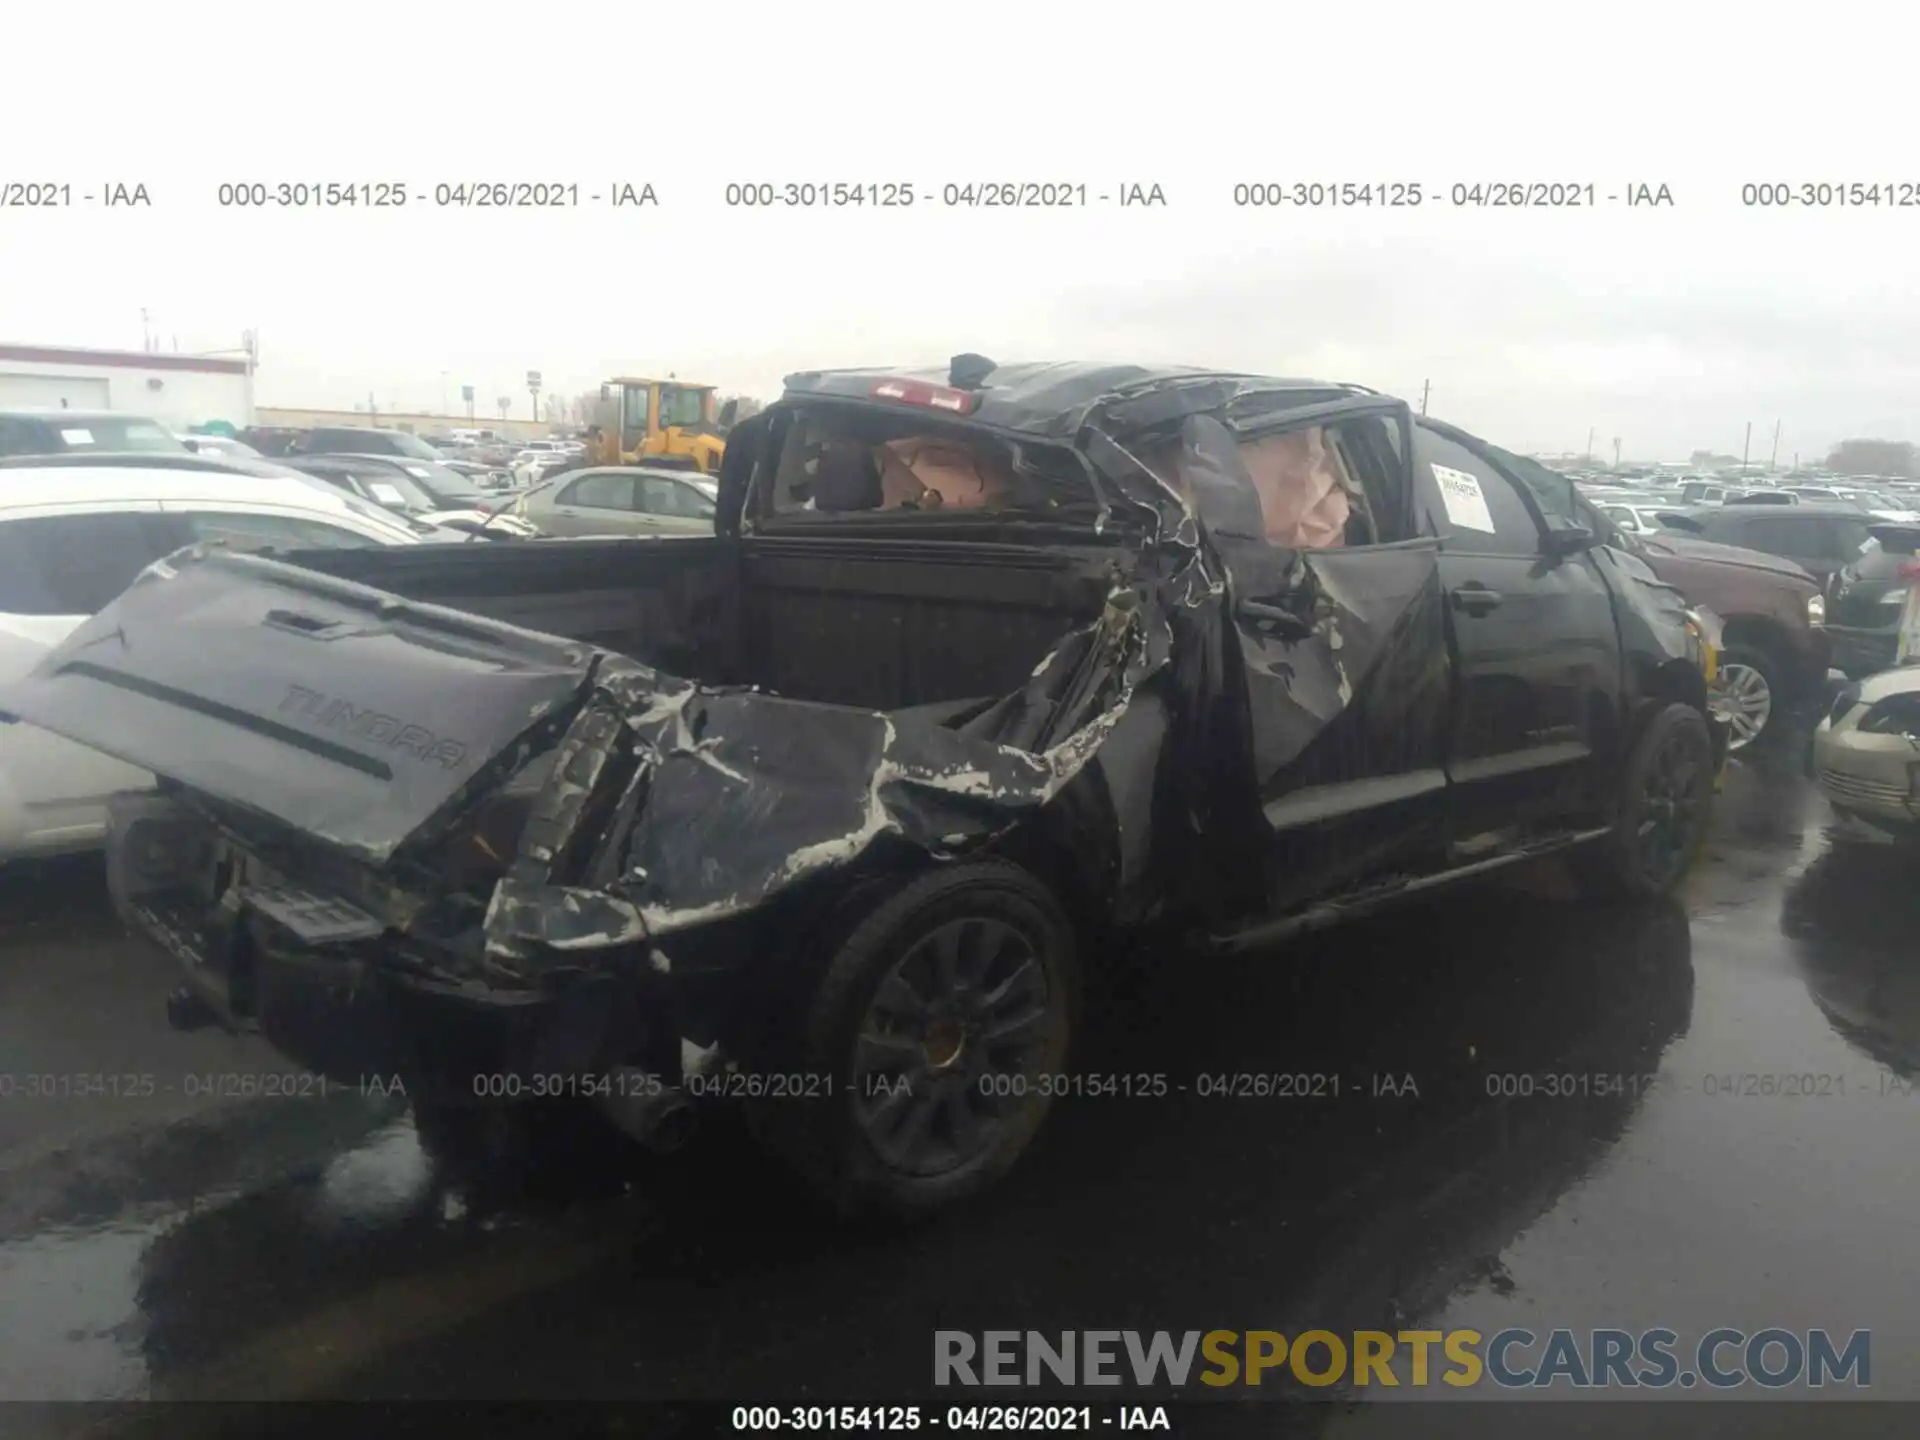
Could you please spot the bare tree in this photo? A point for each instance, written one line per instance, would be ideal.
(1872, 457)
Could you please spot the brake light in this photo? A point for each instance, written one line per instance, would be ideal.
(1909, 571)
(917, 392)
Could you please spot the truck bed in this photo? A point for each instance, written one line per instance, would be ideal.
(883, 625)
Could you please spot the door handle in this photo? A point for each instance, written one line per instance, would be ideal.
(1475, 599)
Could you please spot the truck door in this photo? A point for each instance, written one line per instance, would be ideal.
(1536, 651)
(1336, 618)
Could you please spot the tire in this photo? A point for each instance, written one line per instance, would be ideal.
(1661, 811)
(922, 1093)
(1763, 678)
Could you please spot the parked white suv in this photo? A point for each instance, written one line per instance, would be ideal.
(72, 537)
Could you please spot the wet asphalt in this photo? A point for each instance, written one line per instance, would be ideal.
(162, 1236)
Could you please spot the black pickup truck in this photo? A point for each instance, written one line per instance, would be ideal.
(984, 674)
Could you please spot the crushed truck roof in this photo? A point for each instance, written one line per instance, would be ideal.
(1041, 399)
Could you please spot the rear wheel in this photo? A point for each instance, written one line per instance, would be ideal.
(925, 1046)
(1750, 694)
(1665, 798)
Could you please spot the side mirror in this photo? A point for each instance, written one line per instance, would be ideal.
(193, 445)
(1564, 538)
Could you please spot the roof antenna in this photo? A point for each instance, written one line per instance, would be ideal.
(969, 372)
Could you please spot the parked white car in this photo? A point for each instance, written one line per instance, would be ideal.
(72, 537)
(1866, 754)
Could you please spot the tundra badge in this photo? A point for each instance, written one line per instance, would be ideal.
(365, 724)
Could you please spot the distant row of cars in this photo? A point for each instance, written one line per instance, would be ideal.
(432, 492)
(526, 463)
(1859, 543)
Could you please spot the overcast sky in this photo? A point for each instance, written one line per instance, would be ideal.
(1670, 328)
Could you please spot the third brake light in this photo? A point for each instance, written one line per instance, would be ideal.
(918, 392)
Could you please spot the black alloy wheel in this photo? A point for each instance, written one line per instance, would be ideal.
(925, 1040)
(1665, 805)
(1674, 798)
(951, 1044)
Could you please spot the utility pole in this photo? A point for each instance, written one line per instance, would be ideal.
(1591, 430)
(1773, 461)
(146, 335)
(1745, 446)
(1425, 386)
(1616, 452)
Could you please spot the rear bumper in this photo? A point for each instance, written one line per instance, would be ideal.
(319, 985)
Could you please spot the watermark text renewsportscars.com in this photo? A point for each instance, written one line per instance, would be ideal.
(1658, 1359)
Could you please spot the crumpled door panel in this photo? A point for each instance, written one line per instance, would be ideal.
(1318, 626)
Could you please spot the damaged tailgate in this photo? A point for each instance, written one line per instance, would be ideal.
(337, 709)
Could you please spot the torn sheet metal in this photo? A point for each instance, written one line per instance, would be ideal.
(1314, 626)
(735, 796)
(1651, 613)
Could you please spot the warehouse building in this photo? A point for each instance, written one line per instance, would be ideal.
(179, 391)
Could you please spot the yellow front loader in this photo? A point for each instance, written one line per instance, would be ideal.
(640, 421)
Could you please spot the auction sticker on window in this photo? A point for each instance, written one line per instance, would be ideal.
(1466, 503)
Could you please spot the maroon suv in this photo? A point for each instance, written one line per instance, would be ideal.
(1776, 654)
